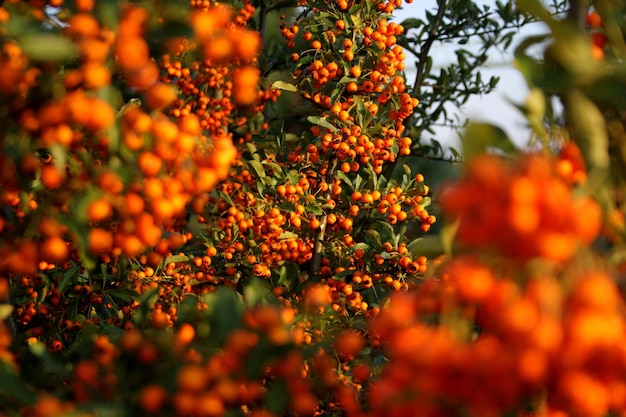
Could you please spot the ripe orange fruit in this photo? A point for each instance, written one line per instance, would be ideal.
(160, 96)
(149, 163)
(349, 344)
(132, 53)
(152, 397)
(247, 44)
(185, 334)
(245, 82)
(99, 210)
(52, 177)
(352, 87)
(593, 20)
(192, 378)
(54, 249)
(314, 224)
(355, 71)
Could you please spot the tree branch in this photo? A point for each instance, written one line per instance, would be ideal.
(424, 52)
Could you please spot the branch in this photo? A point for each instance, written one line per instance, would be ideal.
(432, 37)
(316, 260)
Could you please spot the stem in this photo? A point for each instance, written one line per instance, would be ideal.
(423, 55)
(577, 12)
(9, 321)
(318, 248)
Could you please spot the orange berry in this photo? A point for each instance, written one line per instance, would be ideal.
(52, 177)
(593, 20)
(352, 87)
(54, 250)
(149, 163)
(247, 44)
(160, 96)
(355, 71)
(152, 398)
(245, 84)
(349, 344)
(314, 224)
(99, 210)
(185, 334)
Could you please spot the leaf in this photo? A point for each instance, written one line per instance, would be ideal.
(411, 23)
(447, 234)
(321, 121)
(258, 168)
(5, 311)
(277, 397)
(344, 178)
(13, 386)
(314, 209)
(42, 47)
(283, 85)
(226, 308)
(479, 137)
(124, 294)
(255, 292)
(429, 246)
(176, 259)
(356, 20)
(287, 206)
(50, 363)
(288, 235)
(590, 133)
(67, 279)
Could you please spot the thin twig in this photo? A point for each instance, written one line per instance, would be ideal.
(424, 52)
(316, 261)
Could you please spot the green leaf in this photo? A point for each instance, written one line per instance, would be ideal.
(50, 362)
(13, 386)
(356, 20)
(429, 246)
(288, 235)
(287, 206)
(411, 23)
(5, 311)
(255, 292)
(176, 259)
(480, 137)
(447, 234)
(258, 168)
(344, 178)
(314, 209)
(321, 121)
(68, 278)
(225, 308)
(283, 85)
(124, 294)
(42, 47)
(588, 128)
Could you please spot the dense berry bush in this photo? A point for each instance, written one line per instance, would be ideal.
(196, 220)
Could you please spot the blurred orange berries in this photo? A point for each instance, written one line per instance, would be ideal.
(524, 212)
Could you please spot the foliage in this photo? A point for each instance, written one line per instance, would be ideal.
(196, 223)
(475, 32)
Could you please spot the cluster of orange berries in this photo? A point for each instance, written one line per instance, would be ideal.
(599, 39)
(131, 49)
(549, 344)
(524, 212)
(146, 167)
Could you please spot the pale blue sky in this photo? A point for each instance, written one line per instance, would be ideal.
(495, 107)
